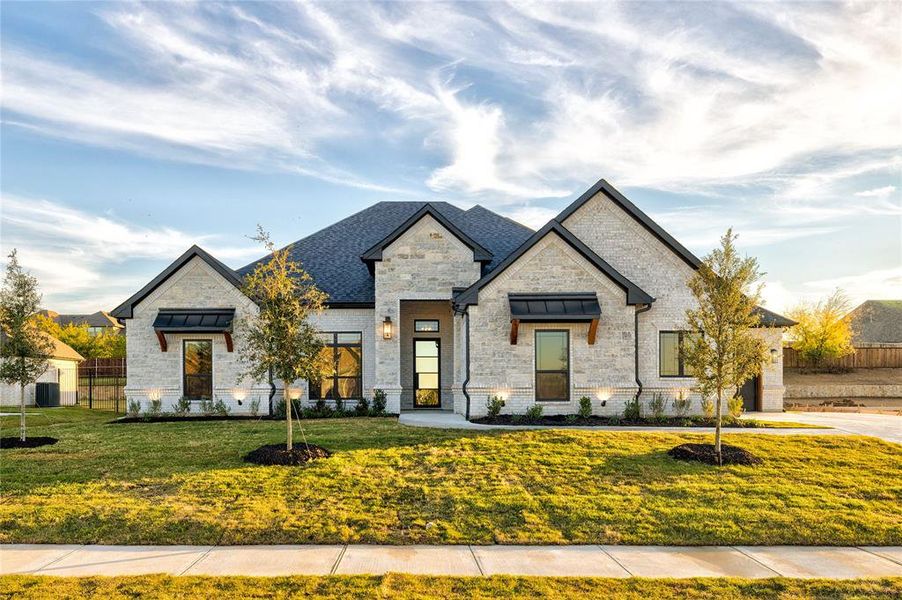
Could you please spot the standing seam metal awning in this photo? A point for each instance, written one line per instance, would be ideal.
(194, 320)
(554, 308)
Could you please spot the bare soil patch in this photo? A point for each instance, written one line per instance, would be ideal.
(731, 455)
(278, 454)
(30, 442)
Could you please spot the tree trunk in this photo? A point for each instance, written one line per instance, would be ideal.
(22, 411)
(717, 418)
(290, 443)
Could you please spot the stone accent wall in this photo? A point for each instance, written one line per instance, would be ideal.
(423, 309)
(603, 371)
(424, 263)
(772, 389)
(153, 373)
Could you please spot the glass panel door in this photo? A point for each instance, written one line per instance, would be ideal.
(426, 374)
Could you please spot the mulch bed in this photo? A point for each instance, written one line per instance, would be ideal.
(30, 442)
(575, 421)
(277, 454)
(179, 419)
(731, 455)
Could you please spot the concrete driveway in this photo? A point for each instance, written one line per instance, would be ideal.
(885, 427)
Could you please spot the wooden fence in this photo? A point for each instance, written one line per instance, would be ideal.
(869, 357)
(101, 384)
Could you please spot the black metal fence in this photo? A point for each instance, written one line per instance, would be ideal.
(101, 384)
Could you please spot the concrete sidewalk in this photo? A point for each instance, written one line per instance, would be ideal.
(590, 561)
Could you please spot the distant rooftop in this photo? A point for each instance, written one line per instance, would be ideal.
(877, 322)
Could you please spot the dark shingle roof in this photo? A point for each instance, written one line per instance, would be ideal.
(98, 319)
(332, 255)
(877, 322)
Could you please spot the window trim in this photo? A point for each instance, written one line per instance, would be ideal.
(185, 375)
(334, 345)
(416, 322)
(681, 367)
(536, 370)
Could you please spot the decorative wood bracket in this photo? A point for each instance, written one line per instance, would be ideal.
(162, 338)
(515, 328)
(228, 340)
(593, 330)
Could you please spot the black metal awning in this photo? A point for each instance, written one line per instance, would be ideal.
(578, 307)
(194, 320)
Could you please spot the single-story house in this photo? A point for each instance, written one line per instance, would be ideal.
(61, 370)
(441, 308)
(876, 323)
(97, 322)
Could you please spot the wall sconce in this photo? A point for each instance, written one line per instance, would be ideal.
(239, 395)
(773, 356)
(386, 328)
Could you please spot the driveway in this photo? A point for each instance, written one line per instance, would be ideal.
(885, 427)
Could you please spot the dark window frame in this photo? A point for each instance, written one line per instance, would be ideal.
(335, 345)
(185, 375)
(416, 323)
(438, 345)
(536, 370)
(681, 365)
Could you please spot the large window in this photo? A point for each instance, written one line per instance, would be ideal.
(671, 348)
(341, 378)
(552, 365)
(197, 367)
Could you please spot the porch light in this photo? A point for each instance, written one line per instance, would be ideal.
(239, 395)
(386, 328)
(773, 356)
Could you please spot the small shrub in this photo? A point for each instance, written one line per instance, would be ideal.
(493, 406)
(154, 409)
(206, 406)
(708, 408)
(182, 407)
(220, 408)
(321, 409)
(255, 407)
(572, 419)
(656, 405)
(363, 407)
(134, 408)
(534, 412)
(682, 404)
(585, 407)
(379, 402)
(278, 411)
(633, 410)
(614, 420)
(339, 405)
(735, 407)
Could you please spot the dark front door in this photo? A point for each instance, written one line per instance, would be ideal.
(749, 393)
(426, 369)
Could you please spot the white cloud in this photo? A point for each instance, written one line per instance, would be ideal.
(881, 192)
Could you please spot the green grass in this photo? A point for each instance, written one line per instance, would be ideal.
(172, 483)
(407, 587)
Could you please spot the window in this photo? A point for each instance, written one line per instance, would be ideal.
(343, 353)
(671, 348)
(197, 366)
(552, 366)
(425, 326)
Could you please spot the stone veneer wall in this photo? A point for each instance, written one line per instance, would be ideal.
(424, 263)
(153, 373)
(604, 371)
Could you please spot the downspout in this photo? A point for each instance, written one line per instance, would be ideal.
(645, 308)
(466, 314)
(272, 391)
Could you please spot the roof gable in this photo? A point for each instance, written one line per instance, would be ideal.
(126, 309)
(877, 322)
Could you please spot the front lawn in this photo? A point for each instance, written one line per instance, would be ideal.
(425, 588)
(173, 483)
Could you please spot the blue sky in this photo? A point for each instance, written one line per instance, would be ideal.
(130, 131)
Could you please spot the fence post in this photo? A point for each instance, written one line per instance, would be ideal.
(90, 388)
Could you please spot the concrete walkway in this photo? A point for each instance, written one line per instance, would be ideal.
(885, 427)
(449, 420)
(594, 561)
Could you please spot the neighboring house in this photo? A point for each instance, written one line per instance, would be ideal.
(63, 370)
(97, 322)
(442, 307)
(876, 323)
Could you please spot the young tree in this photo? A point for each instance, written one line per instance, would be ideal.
(823, 333)
(25, 349)
(727, 353)
(279, 339)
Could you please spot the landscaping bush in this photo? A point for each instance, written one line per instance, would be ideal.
(633, 410)
(133, 409)
(182, 407)
(534, 413)
(656, 405)
(682, 404)
(206, 406)
(362, 408)
(339, 405)
(220, 408)
(585, 407)
(321, 409)
(379, 402)
(708, 408)
(154, 409)
(255, 407)
(278, 411)
(493, 406)
(735, 407)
